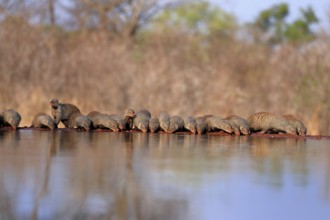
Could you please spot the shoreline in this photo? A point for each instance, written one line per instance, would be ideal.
(221, 133)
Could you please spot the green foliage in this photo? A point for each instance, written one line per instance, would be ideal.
(300, 30)
(272, 22)
(196, 17)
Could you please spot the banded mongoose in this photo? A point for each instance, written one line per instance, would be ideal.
(42, 120)
(215, 123)
(190, 124)
(100, 120)
(141, 120)
(153, 125)
(129, 115)
(201, 126)
(297, 124)
(80, 121)
(243, 125)
(176, 124)
(120, 121)
(234, 127)
(265, 122)
(11, 118)
(164, 121)
(62, 111)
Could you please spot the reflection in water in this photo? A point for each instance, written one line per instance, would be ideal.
(102, 175)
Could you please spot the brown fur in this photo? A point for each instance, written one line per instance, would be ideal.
(266, 122)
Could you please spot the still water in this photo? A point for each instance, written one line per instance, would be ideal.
(102, 175)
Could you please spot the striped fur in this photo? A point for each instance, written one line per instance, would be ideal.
(266, 122)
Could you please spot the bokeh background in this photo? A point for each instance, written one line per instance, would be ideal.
(185, 57)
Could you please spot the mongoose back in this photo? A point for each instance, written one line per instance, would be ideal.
(62, 111)
(153, 125)
(100, 120)
(216, 123)
(201, 126)
(297, 124)
(129, 115)
(265, 122)
(80, 121)
(164, 121)
(42, 120)
(243, 125)
(141, 122)
(176, 124)
(144, 112)
(11, 118)
(120, 121)
(190, 124)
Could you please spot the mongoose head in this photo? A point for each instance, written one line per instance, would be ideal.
(129, 113)
(235, 128)
(122, 125)
(14, 122)
(200, 128)
(227, 127)
(173, 127)
(86, 123)
(50, 123)
(112, 125)
(12, 118)
(143, 127)
(153, 124)
(289, 129)
(165, 125)
(54, 103)
(192, 128)
(301, 130)
(245, 130)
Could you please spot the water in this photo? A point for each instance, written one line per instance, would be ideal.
(102, 175)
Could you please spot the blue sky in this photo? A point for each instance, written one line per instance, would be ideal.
(247, 10)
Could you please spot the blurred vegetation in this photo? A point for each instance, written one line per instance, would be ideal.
(272, 22)
(185, 57)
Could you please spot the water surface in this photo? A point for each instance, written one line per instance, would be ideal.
(103, 175)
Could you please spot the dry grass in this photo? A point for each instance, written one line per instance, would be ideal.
(181, 74)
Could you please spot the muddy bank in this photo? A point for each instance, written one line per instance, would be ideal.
(221, 133)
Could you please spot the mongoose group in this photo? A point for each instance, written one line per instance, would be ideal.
(71, 117)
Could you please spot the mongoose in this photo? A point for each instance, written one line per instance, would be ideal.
(153, 124)
(129, 115)
(234, 126)
(120, 121)
(297, 124)
(176, 124)
(11, 118)
(141, 122)
(243, 125)
(78, 120)
(62, 111)
(164, 121)
(100, 120)
(42, 120)
(216, 123)
(201, 125)
(190, 124)
(265, 122)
